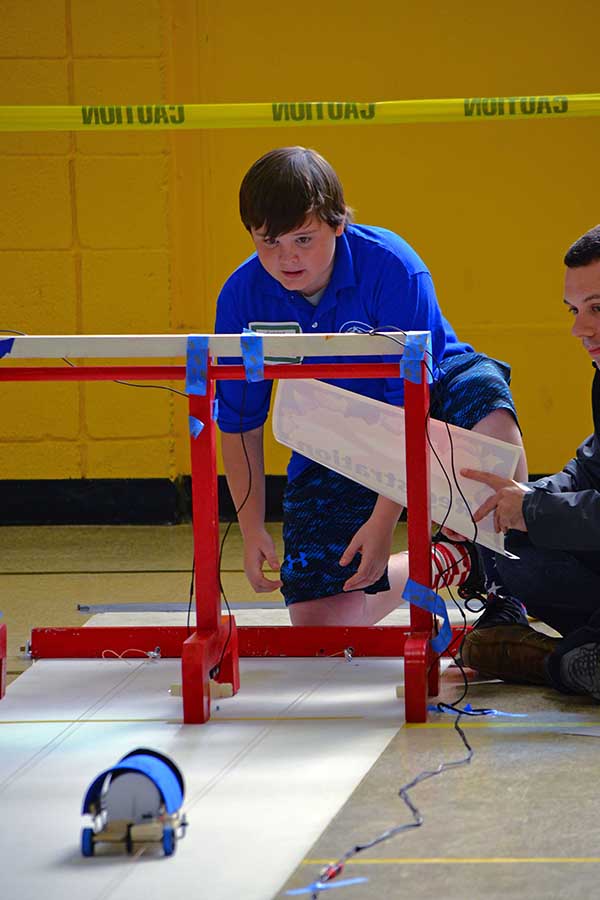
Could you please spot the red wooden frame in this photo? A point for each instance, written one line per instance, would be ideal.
(213, 649)
(267, 641)
(2, 661)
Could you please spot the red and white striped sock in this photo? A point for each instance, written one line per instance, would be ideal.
(450, 564)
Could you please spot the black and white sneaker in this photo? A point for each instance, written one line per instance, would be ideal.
(499, 610)
(580, 670)
(458, 564)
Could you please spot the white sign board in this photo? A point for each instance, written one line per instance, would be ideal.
(364, 440)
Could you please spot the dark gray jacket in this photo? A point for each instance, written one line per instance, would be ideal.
(563, 510)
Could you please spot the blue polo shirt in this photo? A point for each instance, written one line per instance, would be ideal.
(378, 281)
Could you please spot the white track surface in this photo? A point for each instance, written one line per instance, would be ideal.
(263, 777)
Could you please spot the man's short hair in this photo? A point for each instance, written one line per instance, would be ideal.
(585, 250)
(287, 185)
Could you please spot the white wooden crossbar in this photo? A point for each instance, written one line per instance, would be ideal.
(127, 346)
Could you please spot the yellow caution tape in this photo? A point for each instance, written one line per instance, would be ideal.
(164, 116)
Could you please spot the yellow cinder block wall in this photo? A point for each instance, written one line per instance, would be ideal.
(117, 233)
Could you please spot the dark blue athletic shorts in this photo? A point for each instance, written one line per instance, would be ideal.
(323, 510)
(470, 387)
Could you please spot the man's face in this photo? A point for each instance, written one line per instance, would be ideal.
(582, 297)
(300, 260)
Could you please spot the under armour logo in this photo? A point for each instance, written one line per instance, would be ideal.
(301, 559)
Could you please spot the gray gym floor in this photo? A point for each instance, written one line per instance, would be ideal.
(519, 821)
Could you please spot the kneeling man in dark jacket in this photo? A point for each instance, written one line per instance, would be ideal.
(553, 527)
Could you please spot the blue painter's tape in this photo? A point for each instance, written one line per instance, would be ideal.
(215, 410)
(433, 707)
(253, 355)
(6, 346)
(425, 598)
(196, 365)
(416, 349)
(325, 886)
(196, 426)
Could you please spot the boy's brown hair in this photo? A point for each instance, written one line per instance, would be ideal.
(285, 186)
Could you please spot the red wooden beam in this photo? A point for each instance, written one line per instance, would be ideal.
(177, 373)
(2, 661)
(253, 641)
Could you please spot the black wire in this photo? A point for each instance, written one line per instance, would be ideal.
(156, 387)
(215, 671)
(449, 706)
(189, 609)
(335, 868)
(443, 572)
(193, 573)
(454, 707)
(181, 394)
(163, 387)
(160, 387)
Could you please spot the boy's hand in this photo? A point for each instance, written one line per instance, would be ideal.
(259, 549)
(453, 535)
(506, 502)
(373, 541)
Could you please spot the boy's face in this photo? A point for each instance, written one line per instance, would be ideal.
(300, 260)
(582, 297)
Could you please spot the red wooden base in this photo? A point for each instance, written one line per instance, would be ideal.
(2, 661)
(253, 641)
(200, 652)
(200, 655)
(421, 676)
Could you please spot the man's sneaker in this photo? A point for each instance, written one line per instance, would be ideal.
(458, 564)
(514, 652)
(580, 670)
(501, 611)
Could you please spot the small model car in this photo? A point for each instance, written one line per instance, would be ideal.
(136, 804)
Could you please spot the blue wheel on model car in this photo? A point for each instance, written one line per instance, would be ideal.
(87, 841)
(168, 841)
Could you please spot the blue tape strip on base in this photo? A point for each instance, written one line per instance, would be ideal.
(215, 410)
(196, 365)
(253, 355)
(325, 886)
(6, 346)
(416, 349)
(433, 707)
(425, 598)
(196, 426)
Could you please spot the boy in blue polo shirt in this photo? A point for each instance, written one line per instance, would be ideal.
(316, 271)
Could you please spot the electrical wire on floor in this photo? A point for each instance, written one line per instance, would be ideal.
(334, 869)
